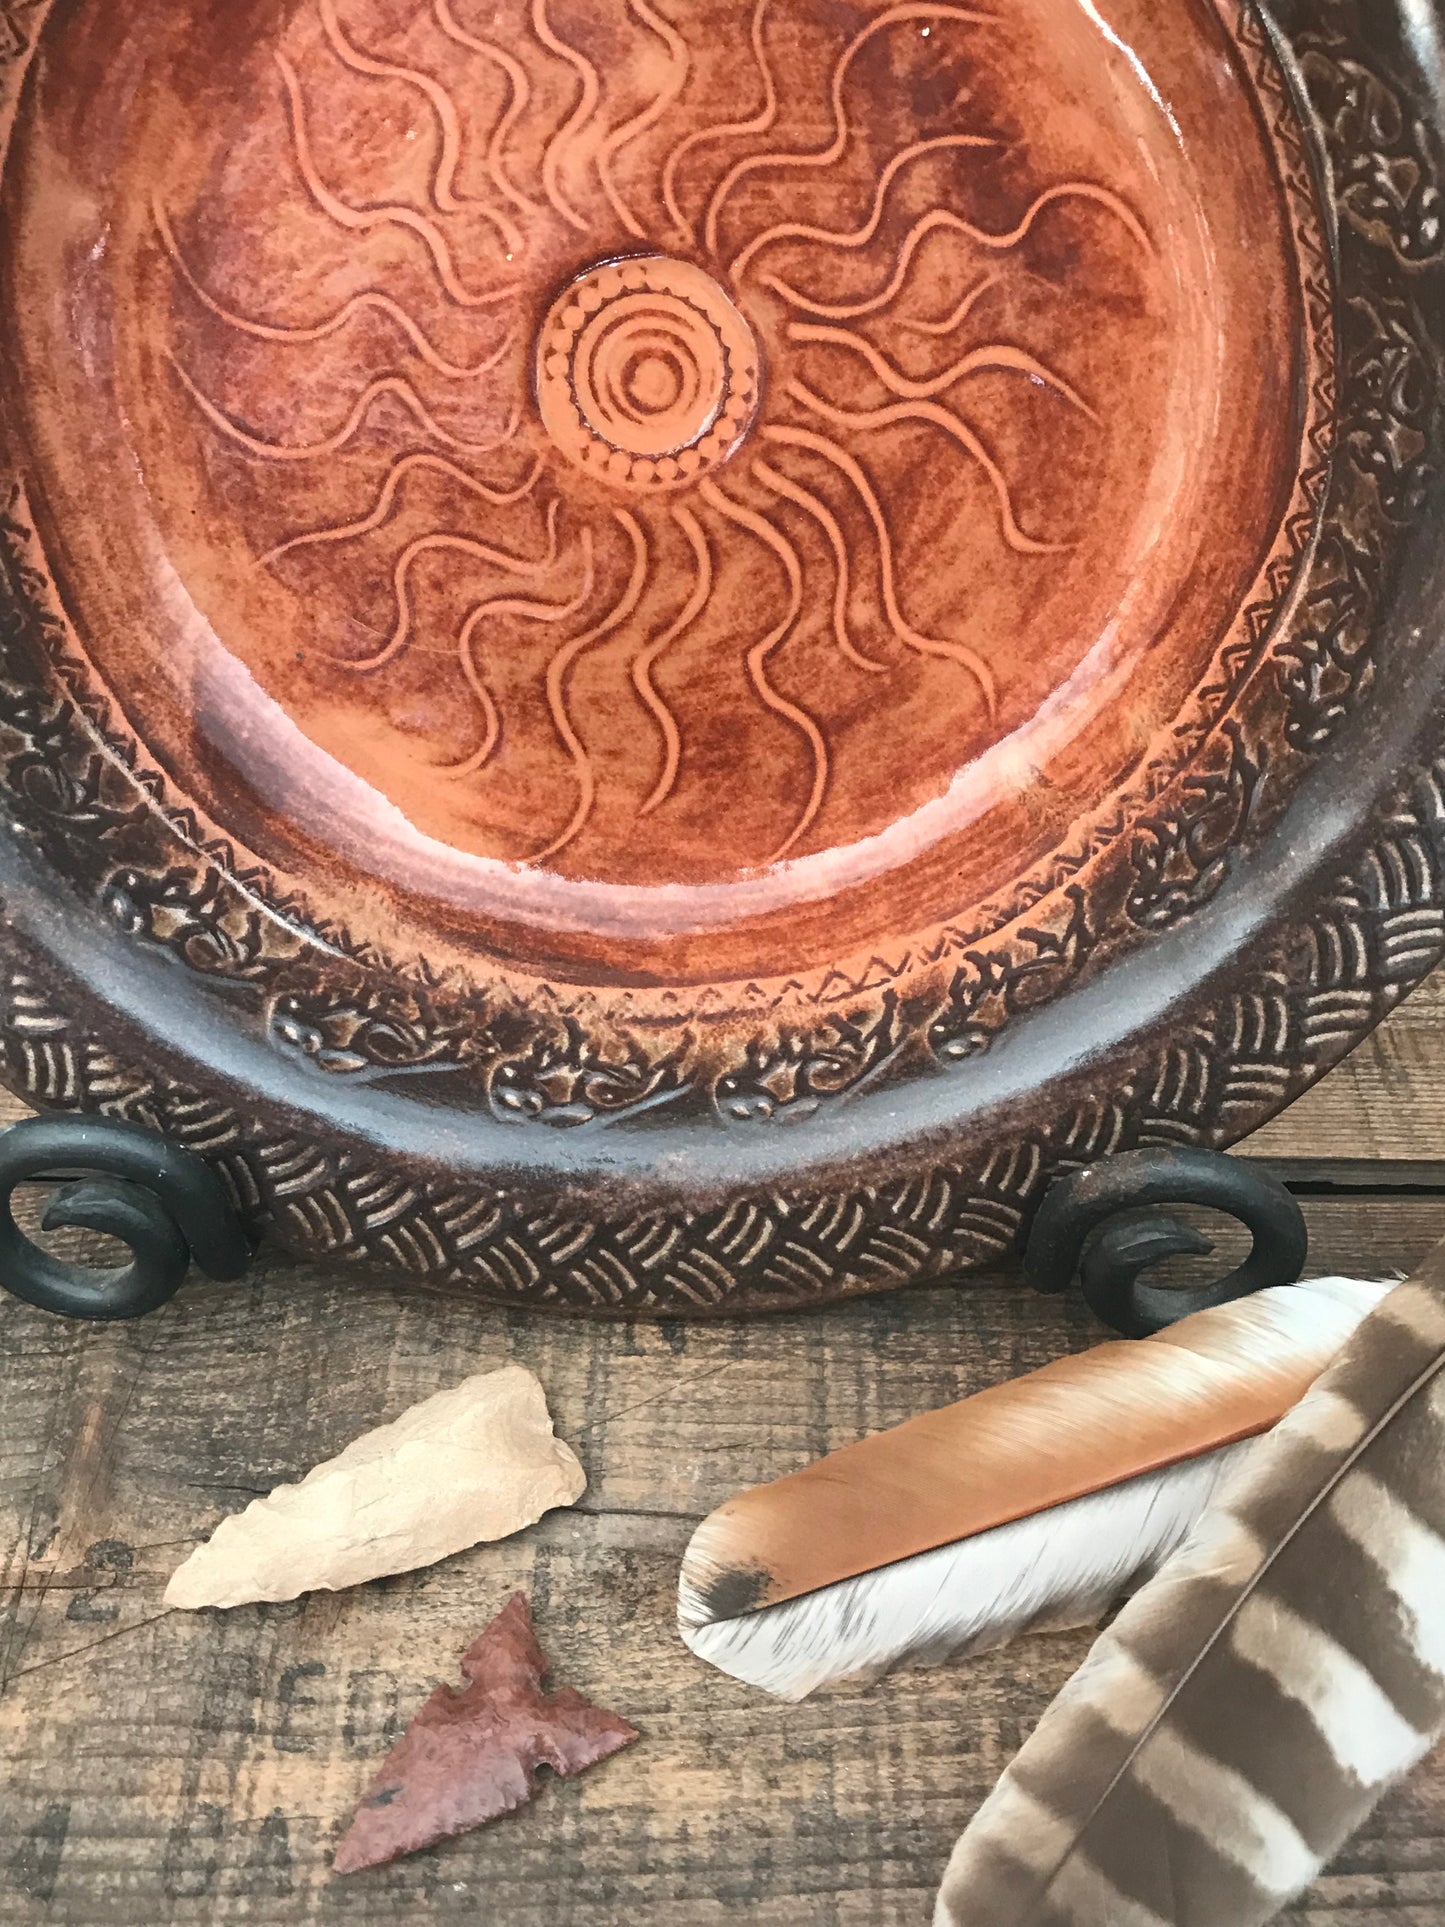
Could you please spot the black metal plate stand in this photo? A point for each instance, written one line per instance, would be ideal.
(1105, 1224)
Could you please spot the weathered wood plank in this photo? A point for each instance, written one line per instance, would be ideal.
(197, 1769)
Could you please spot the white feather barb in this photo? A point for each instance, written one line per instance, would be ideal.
(886, 1601)
(1065, 1567)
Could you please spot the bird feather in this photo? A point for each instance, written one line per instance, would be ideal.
(1066, 1567)
(1248, 1707)
(1038, 1503)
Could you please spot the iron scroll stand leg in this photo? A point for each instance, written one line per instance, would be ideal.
(163, 1202)
(1107, 1224)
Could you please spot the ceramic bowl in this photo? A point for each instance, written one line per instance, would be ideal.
(654, 656)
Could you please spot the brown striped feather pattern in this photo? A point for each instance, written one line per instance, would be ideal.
(1246, 1710)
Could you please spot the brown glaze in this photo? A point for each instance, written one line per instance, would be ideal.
(586, 583)
(955, 347)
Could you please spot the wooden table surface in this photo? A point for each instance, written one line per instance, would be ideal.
(168, 1769)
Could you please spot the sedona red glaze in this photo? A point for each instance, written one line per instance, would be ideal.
(694, 549)
(686, 568)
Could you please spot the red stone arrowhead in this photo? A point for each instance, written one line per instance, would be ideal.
(470, 1756)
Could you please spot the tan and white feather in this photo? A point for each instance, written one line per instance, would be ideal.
(1038, 1503)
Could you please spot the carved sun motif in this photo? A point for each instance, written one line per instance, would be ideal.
(718, 323)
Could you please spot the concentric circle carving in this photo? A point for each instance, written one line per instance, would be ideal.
(647, 373)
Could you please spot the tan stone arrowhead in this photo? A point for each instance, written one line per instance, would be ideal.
(477, 1462)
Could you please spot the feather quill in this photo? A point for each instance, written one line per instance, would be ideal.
(1246, 1710)
(1038, 1503)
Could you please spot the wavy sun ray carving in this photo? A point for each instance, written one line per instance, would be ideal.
(727, 400)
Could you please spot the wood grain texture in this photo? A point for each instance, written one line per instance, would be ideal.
(188, 1769)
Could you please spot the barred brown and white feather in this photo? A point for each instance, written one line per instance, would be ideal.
(1247, 1709)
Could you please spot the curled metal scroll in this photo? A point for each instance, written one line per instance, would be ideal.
(163, 1202)
(1103, 1224)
